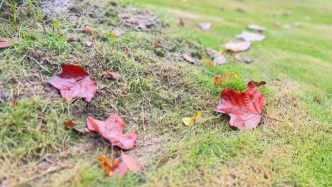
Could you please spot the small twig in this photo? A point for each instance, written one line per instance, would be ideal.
(287, 123)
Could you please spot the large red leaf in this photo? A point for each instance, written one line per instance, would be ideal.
(244, 108)
(74, 82)
(111, 130)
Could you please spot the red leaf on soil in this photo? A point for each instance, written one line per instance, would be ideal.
(158, 46)
(244, 108)
(7, 42)
(71, 40)
(111, 130)
(181, 22)
(74, 82)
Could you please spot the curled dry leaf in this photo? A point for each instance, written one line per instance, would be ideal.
(158, 46)
(258, 84)
(111, 130)
(120, 164)
(112, 75)
(207, 62)
(244, 108)
(190, 121)
(236, 47)
(189, 58)
(316, 100)
(217, 57)
(7, 42)
(13, 102)
(71, 40)
(116, 166)
(89, 30)
(256, 28)
(205, 26)
(89, 43)
(112, 34)
(250, 37)
(74, 82)
(71, 125)
(217, 80)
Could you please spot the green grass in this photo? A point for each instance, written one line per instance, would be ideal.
(157, 92)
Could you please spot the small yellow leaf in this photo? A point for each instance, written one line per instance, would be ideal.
(207, 62)
(112, 34)
(190, 121)
(217, 80)
(220, 50)
(229, 75)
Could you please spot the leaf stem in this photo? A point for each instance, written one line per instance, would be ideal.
(287, 123)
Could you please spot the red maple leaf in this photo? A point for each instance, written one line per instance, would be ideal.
(111, 130)
(74, 82)
(244, 108)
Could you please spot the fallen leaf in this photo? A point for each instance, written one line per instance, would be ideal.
(158, 46)
(207, 62)
(217, 80)
(316, 100)
(236, 47)
(140, 21)
(111, 130)
(250, 37)
(181, 22)
(39, 128)
(189, 58)
(205, 26)
(112, 34)
(74, 82)
(7, 42)
(217, 57)
(71, 125)
(112, 75)
(256, 28)
(131, 163)
(238, 57)
(4, 94)
(110, 169)
(127, 52)
(89, 30)
(244, 108)
(13, 102)
(190, 121)
(89, 43)
(258, 84)
(247, 59)
(71, 40)
(229, 75)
